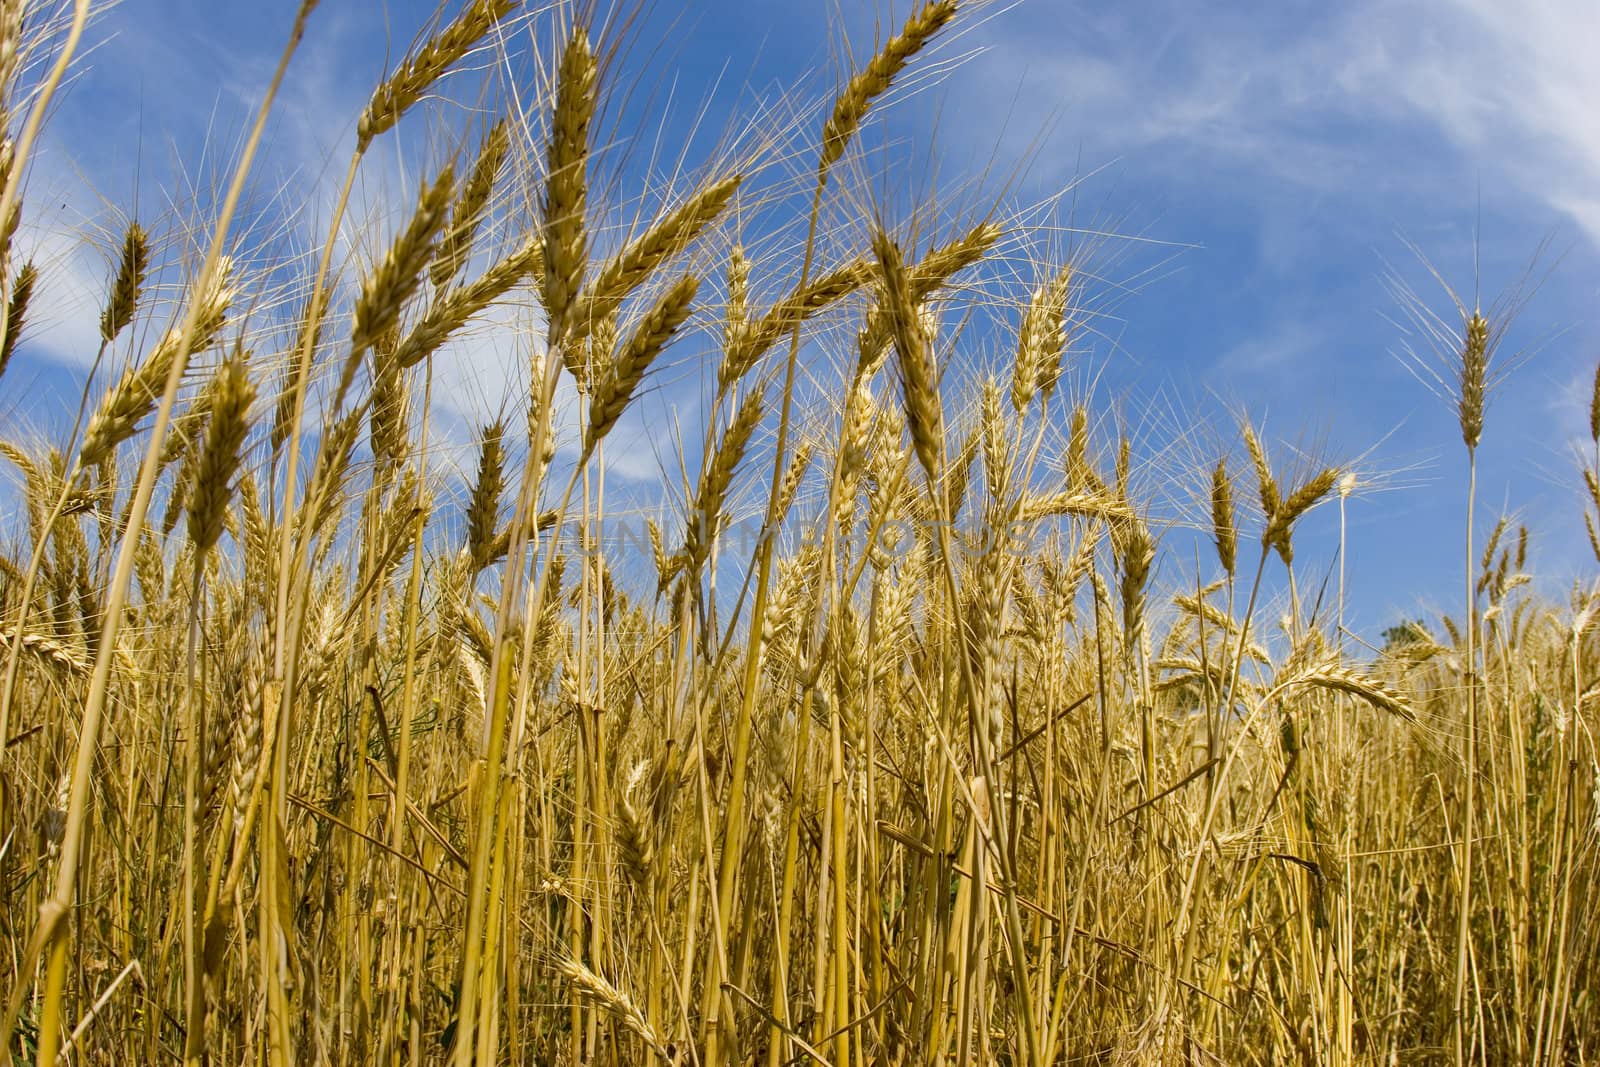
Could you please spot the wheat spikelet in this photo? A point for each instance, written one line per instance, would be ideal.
(1281, 524)
(11, 52)
(872, 82)
(623, 273)
(1473, 379)
(150, 568)
(737, 312)
(466, 215)
(17, 311)
(13, 218)
(760, 334)
(1335, 676)
(634, 837)
(854, 438)
(792, 477)
(1224, 534)
(256, 534)
(1077, 464)
(923, 279)
(446, 316)
(230, 420)
(34, 484)
(244, 754)
(1266, 484)
(1082, 505)
(132, 398)
(666, 567)
(958, 472)
(1594, 408)
(48, 649)
(387, 287)
(125, 290)
(717, 477)
(923, 413)
(483, 513)
(333, 463)
(615, 390)
(1041, 341)
(566, 183)
(444, 50)
(595, 989)
(996, 447)
(388, 405)
(1200, 608)
(1136, 551)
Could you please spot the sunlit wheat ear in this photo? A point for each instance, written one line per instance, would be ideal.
(635, 837)
(596, 990)
(1041, 341)
(715, 479)
(430, 62)
(1336, 676)
(1077, 464)
(391, 283)
(738, 309)
(792, 477)
(1266, 484)
(621, 275)
(47, 649)
(1280, 528)
(923, 279)
(483, 513)
(1135, 550)
(1594, 408)
(17, 311)
(1474, 378)
(129, 283)
(566, 248)
(872, 82)
(11, 42)
(230, 421)
(762, 332)
(923, 413)
(854, 437)
(467, 213)
(1224, 533)
(1035, 507)
(131, 399)
(613, 392)
(447, 315)
(388, 405)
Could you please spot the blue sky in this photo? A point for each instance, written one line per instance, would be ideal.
(1261, 167)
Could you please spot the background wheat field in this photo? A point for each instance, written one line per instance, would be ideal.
(906, 728)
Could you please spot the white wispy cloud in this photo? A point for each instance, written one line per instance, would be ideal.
(1394, 94)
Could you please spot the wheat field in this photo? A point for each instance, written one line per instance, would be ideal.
(896, 733)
